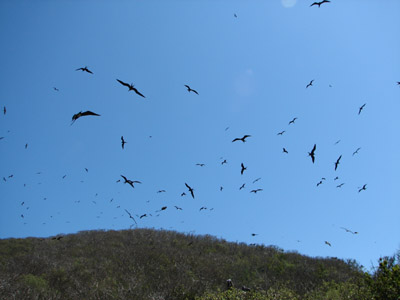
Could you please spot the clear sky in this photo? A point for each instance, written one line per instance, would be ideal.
(250, 72)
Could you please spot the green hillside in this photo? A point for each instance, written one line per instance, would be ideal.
(153, 264)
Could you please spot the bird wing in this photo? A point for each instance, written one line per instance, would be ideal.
(87, 70)
(89, 113)
(194, 91)
(123, 83)
(237, 139)
(137, 92)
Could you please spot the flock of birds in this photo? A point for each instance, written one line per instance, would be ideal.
(190, 190)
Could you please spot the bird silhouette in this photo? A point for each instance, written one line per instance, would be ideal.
(337, 142)
(202, 208)
(82, 114)
(131, 217)
(190, 190)
(361, 108)
(336, 178)
(243, 139)
(337, 162)
(329, 244)
(131, 88)
(26, 146)
(319, 183)
(355, 152)
(364, 187)
(285, 151)
(281, 133)
(254, 234)
(312, 153)
(398, 82)
(161, 191)
(56, 89)
(235, 15)
(256, 191)
(162, 208)
(292, 122)
(191, 90)
(242, 187)
(85, 69)
(224, 162)
(130, 182)
(183, 194)
(123, 142)
(178, 208)
(200, 165)
(221, 188)
(243, 169)
(4, 110)
(142, 216)
(319, 3)
(348, 230)
(310, 84)
(340, 185)
(255, 180)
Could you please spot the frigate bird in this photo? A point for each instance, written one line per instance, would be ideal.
(364, 187)
(243, 168)
(337, 162)
(224, 162)
(310, 84)
(4, 110)
(85, 69)
(131, 217)
(281, 133)
(319, 3)
(255, 191)
(355, 152)
(292, 122)
(130, 182)
(82, 114)
(56, 89)
(348, 230)
(284, 150)
(190, 190)
(123, 142)
(131, 88)
(329, 244)
(177, 207)
(190, 89)
(255, 180)
(200, 165)
(340, 185)
(243, 139)
(312, 153)
(242, 187)
(361, 108)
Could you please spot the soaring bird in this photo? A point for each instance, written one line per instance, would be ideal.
(243, 139)
(361, 108)
(4, 110)
(340, 185)
(243, 168)
(130, 182)
(202, 208)
(190, 190)
(142, 216)
(26, 146)
(161, 191)
(183, 194)
(82, 114)
(312, 153)
(131, 88)
(348, 230)
(123, 142)
(255, 191)
(292, 122)
(310, 84)
(224, 162)
(364, 187)
(130, 216)
(200, 165)
(242, 187)
(191, 90)
(285, 151)
(319, 3)
(281, 133)
(221, 188)
(337, 162)
(85, 69)
(178, 208)
(56, 89)
(329, 244)
(255, 180)
(254, 234)
(355, 152)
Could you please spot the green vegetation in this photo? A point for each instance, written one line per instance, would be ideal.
(150, 264)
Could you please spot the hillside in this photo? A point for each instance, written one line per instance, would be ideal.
(150, 264)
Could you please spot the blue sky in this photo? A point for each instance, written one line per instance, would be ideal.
(250, 72)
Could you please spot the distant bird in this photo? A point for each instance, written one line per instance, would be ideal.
(56, 89)
(162, 208)
(348, 230)
(123, 142)
(131, 217)
(337, 162)
(364, 187)
(190, 190)
(319, 3)
(22, 203)
(337, 142)
(178, 208)
(310, 84)
(224, 162)
(86, 169)
(398, 82)
(142, 216)
(255, 180)
(202, 208)
(221, 188)
(57, 238)
(22, 216)
(255, 191)
(355, 152)
(361, 108)
(85, 69)
(329, 244)
(312, 153)
(64, 176)
(4, 179)
(254, 234)
(161, 191)
(243, 168)
(336, 178)
(285, 151)
(340, 185)
(190, 89)
(319, 183)
(235, 15)
(82, 114)
(26, 146)
(183, 194)
(281, 133)
(292, 122)
(200, 165)
(243, 139)
(4, 110)
(242, 187)
(130, 182)
(1, 137)
(131, 88)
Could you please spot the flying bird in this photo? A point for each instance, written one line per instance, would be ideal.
(235, 15)
(242, 187)
(178, 208)
(190, 190)
(364, 187)
(337, 142)
(355, 152)
(200, 165)
(340, 185)
(310, 84)
(398, 82)
(26, 146)
(162, 208)
(82, 114)
(131, 88)
(243, 169)
(336, 178)
(183, 194)
(292, 122)
(329, 244)
(191, 90)
(281, 133)
(130, 216)
(224, 162)
(130, 182)
(142, 216)
(255, 191)
(202, 208)
(4, 110)
(319, 3)
(320, 182)
(361, 108)
(161, 191)
(221, 188)
(243, 139)
(85, 69)
(123, 142)
(312, 153)
(254, 234)
(86, 169)
(255, 180)
(285, 151)
(56, 89)
(348, 230)
(337, 162)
